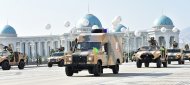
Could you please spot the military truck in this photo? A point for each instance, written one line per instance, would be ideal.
(186, 54)
(16, 58)
(56, 58)
(175, 54)
(148, 54)
(94, 52)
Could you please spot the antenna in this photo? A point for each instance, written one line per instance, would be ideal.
(88, 7)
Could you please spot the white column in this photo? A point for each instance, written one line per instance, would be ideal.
(135, 44)
(142, 38)
(46, 48)
(167, 39)
(39, 49)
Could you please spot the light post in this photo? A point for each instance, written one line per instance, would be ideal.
(31, 51)
(137, 34)
(126, 34)
(163, 30)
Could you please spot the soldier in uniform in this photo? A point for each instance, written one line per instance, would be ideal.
(186, 47)
(152, 42)
(163, 52)
(175, 44)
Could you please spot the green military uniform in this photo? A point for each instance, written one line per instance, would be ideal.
(162, 49)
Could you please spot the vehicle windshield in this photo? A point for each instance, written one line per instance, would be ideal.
(186, 51)
(3, 53)
(58, 54)
(84, 46)
(174, 50)
(148, 48)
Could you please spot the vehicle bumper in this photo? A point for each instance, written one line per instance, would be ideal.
(173, 58)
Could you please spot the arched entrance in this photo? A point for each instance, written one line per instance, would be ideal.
(162, 41)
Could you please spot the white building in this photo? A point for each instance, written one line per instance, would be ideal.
(40, 45)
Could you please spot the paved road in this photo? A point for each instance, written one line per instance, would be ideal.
(129, 75)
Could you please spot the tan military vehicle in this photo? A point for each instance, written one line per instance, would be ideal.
(56, 58)
(94, 52)
(16, 58)
(148, 54)
(186, 54)
(175, 54)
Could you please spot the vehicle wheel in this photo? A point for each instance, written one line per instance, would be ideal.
(183, 62)
(179, 61)
(69, 71)
(189, 59)
(127, 60)
(97, 69)
(115, 68)
(50, 64)
(90, 71)
(158, 63)
(146, 64)
(5, 65)
(61, 63)
(21, 65)
(164, 64)
(169, 62)
(139, 63)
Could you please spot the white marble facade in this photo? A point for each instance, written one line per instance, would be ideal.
(40, 45)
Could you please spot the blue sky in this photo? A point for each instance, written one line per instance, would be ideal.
(29, 17)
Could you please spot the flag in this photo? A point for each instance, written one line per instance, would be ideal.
(95, 50)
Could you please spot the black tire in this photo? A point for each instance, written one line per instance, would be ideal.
(146, 64)
(21, 65)
(5, 65)
(115, 68)
(183, 62)
(61, 63)
(179, 61)
(69, 71)
(189, 59)
(50, 64)
(158, 63)
(139, 63)
(97, 69)
(164, 64)
(90, 71)
(169, 61)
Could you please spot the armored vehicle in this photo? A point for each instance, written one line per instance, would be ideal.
(94, 52)
(175, 54)
(56, 58)
(148, 54)
(186, 54)
(16, 58)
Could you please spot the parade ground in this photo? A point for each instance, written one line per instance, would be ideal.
(129, 75)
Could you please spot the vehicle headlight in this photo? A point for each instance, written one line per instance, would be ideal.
(70, 58)
(90, 58)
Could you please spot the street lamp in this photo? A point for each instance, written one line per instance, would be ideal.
(85, 22)
(137, 33)
(95, 27)
(163, 29)
(175, 30)
(126, 34)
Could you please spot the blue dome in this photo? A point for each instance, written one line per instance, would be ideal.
(93, 20)
(163, 20)
(8, 31)
(118, 27)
